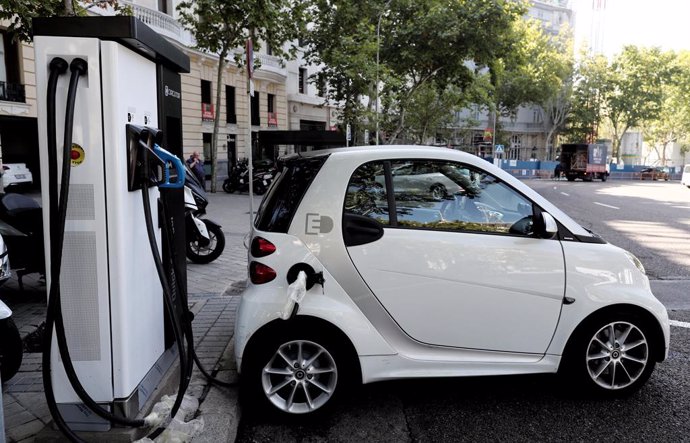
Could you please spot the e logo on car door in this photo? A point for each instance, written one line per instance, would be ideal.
(318, 224)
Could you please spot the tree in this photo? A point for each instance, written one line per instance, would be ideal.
(590, 83)
(672, 125)
(633, 93)
(422, 42)
(20, 12)
(219, 26)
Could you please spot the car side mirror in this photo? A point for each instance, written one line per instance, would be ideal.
(549, 226)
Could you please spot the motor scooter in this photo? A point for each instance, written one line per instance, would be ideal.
(205, 238)
(238, 180)
(21, 226)
(11, 346)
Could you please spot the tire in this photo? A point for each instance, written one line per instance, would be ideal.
(306, 391)
(604, 177)
(259, 189)
(438, 192)
(596, 365)
(206, 254)
(571, 179)
(228, 187)
(11, 349)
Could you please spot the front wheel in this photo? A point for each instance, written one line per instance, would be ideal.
(297, 375)
(11, 349)
(228, 186)
(611, 356)
(206, 254)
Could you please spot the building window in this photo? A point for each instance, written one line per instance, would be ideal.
(272, 115)
(206, 145)
(270, 102)
(10, 87)
(163, 6)
(269, 49)
(206, 91)
(302, 80)
(230, 113)
(256, 111)
(321, 87)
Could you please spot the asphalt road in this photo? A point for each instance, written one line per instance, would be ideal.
(650, 219)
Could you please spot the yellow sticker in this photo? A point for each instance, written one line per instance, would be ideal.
(77, 155)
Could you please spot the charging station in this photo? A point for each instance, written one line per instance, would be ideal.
(111, 296)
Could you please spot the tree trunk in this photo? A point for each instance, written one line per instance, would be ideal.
(216, 120)
(549, 151)
(69, 8)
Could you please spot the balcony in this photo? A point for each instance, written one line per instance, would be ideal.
(159, 22)
(12, 92)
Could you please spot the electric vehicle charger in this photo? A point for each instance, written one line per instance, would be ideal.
(58, 212)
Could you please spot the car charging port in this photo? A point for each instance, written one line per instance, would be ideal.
(313, 277)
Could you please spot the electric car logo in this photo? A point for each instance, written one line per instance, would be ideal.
(318, 224)
(76, 155)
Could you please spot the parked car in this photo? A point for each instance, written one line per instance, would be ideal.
(15, 175)
(657, 173)
(472, 284)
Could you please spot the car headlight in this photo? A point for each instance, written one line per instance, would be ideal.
(636, 261)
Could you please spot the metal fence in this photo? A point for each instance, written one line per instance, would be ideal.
(12, 92)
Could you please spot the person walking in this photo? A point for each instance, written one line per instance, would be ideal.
(197, 165)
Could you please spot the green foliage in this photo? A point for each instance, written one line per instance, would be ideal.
(20, 12)
(633, 91)
(590, 86)
(672, 124)
(421, 42)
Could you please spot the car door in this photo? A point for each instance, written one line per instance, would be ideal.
(464, 271)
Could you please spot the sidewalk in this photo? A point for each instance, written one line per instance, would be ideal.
(213, 290)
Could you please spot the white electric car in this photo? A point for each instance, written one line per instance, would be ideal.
(491, 279)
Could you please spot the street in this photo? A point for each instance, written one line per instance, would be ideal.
(650, 219)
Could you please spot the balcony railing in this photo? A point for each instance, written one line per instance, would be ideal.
(12, 92)
(157, 20)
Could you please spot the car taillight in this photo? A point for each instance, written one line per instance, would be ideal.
(260, 273)
(262, 247)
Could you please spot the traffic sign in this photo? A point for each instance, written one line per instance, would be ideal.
(498, 149)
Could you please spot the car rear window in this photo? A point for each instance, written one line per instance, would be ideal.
(280, 204)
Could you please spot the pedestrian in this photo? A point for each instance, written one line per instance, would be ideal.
(557, 173)
(197, 166)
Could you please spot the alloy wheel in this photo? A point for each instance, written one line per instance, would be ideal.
(617, 355)
(300, 377)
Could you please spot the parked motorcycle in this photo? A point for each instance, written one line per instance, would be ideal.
(238, 179)
(21, 226)
(205, 238)
(11, 347)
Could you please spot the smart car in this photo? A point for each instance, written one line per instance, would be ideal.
(490, 279)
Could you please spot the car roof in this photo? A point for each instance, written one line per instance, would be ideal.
(390, 151)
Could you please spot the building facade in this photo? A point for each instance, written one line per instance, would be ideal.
(523, 134)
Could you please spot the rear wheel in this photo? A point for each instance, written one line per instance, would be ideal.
(299, 374)
(611, 356)
(228, 187)
(202, 254)
(11, 349)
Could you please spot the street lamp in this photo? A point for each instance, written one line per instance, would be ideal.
(378, 48)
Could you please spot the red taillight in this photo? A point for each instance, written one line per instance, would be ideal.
(260, 273)
(262, 247)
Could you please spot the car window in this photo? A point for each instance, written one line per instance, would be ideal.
(453, 196)
(366, 193)
(285, 194)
